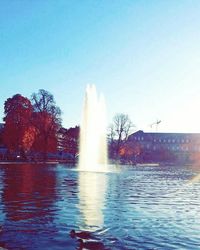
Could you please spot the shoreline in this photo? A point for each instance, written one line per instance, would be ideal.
(33, 162)
(28, 162)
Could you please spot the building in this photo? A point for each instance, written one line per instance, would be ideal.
(165, 147)
(3, 149)
(61, 139)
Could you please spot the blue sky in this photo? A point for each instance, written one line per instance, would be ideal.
(143, 55)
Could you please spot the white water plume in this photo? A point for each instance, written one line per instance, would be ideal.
(93, 144)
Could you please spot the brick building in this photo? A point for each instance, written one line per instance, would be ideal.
(166, 147)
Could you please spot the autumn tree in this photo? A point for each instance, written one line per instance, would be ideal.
(130, 152)
(46, 120)
(19, 134)
(119, 131)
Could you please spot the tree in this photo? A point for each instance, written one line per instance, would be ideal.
(46, 120)
(119, 132)
(19, 134)
(111, 141)
(126, 152)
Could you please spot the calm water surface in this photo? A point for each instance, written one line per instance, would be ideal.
(131, 208)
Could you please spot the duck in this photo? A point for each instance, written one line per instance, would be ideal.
(90, 245)
(81, 234)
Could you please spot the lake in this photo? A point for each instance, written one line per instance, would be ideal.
(130, 207)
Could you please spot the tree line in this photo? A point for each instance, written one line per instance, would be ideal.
(35, 125)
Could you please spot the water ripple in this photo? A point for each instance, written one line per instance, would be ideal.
(135, 208)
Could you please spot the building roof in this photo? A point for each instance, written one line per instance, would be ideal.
(166, 135)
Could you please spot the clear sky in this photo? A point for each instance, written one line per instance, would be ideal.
(143, 55)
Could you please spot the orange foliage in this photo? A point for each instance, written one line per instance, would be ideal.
(45, 128)
(29, 137)
(18, 112)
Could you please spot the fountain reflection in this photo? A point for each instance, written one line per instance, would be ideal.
(92, 189)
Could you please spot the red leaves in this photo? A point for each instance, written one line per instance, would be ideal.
(31, 126)
(18, 111)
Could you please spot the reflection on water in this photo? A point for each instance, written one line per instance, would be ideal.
(135, 208)
(24, 189)
(92, 190)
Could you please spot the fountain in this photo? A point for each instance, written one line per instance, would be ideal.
(93, 144)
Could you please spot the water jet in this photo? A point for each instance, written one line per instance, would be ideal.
(93, 143)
